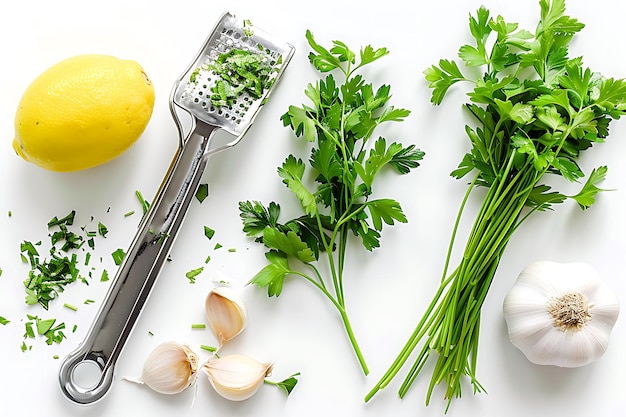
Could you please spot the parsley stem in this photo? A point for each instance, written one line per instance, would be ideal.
(344, 318)
(318, 275)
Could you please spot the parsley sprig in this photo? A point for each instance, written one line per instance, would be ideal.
(535, 111)
(344, 161)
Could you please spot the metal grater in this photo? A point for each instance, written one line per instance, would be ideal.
(148, 252)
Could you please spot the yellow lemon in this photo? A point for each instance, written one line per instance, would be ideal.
(83, 112)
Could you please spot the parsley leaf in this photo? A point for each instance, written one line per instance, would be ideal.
(302, 123)
(292, 172)
(287, 384)
(441, 78)
(288, 243)
(272, 276)
(385, 210)
(256, 217)
(587, 195)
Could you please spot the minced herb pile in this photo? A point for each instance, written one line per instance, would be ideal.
(236, 73)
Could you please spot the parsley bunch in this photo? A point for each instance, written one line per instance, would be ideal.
(344, 161)
(535, 111)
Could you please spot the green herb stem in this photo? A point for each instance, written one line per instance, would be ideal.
(344, 317)
(451, 321)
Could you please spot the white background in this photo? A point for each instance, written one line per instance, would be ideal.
(387, 290)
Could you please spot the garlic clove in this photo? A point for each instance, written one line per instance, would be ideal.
(169, 369)
(226, 313)
(236, 377)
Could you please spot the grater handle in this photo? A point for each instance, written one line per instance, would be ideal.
(138, 272)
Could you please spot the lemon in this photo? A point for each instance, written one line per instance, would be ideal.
(83, 112)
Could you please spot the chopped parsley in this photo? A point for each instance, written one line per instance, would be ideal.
(247, 28)
(191, 275)
(49, 275)
(208, 232)
(102, 230)
(105, 276)
(145, 205)
(118, 256)
(238, 72)
(45, 328)
(203, 192)
(70, 239)
(50, 272)
(161, 237)
(208, 348)
(70, 306)
(47, 278)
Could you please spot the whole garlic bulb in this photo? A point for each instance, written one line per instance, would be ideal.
(236, 377)
(226, 313)
(560, 314)
(169, 369)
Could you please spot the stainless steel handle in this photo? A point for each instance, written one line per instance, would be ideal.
(137, 274)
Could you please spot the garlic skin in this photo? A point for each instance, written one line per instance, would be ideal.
(169, 369)
(236, 377)
(560, 314)
(226, 313)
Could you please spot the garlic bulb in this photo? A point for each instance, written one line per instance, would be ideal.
(560, 314)
(226, 313)
(169, 369)
(236, 377)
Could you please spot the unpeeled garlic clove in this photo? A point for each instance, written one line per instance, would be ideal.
(226, 313)
(236, 377)
(169, 369)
